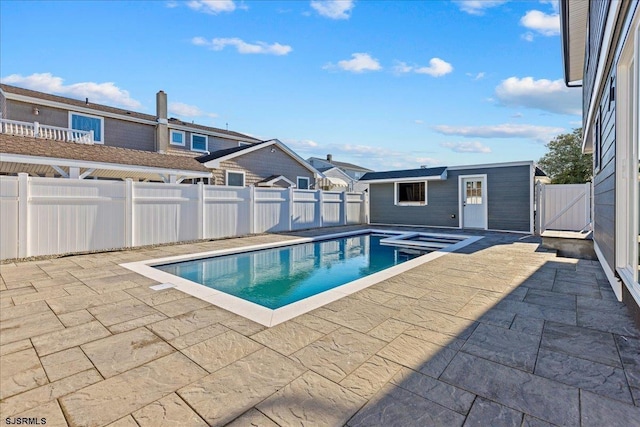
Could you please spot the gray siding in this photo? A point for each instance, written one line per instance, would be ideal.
(117, 133)
(214, 143)
(604, 131)
(509, 201)
(261, 164)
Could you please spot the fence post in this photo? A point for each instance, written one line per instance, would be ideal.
(128, 213)
(23, 215)
(200, 210)
(587, 203)
(320, 208)
(290, 195)
(543, 204)
(344, 207)
(365, 206)
(36, 130)
(252, 209)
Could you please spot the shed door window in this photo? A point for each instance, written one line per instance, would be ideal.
(474, 193)
(87, 123)
(412, 193)
(235, 179)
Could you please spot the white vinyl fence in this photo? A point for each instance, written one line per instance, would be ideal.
(47, 216)
(565, 207)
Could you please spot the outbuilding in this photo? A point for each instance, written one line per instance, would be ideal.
(497, 196)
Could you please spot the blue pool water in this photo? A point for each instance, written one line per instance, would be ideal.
(276, 277)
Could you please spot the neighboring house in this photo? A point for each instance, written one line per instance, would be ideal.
(601, 52)
(32, 113)
(495, 196)
(42, 157)
(254, 165)
(334, 179)
(355, 172)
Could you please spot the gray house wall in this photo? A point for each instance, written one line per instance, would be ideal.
(214, 143)
(509, 200)
(261, 164)
(117, 133)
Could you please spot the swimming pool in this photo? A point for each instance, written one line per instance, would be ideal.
(273, 283)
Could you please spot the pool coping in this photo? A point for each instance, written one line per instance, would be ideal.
(270, 317)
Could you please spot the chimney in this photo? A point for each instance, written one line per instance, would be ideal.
(329, 158)
(162, 130)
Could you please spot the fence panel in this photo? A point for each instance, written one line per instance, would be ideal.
(226, 211)
(164, 213)
(565, 207)
(332, 208)
(271, 210)
(8, 217)
(305, 209)
(355, 208)
(74, 216)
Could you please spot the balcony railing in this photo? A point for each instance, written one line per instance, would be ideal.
(37, 130)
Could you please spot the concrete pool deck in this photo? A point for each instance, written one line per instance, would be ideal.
(499, 333)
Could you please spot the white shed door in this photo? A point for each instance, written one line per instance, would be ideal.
(474, 201)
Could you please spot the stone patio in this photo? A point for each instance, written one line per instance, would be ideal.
(502, 333)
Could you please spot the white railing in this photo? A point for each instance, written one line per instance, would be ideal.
(37, 130)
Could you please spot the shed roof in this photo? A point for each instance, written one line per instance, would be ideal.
(432, 173)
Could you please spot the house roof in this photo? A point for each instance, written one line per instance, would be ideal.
(214, 159)
(130, 163)
(83, 105)
(432, 173)
(343, 165)
(229, 151)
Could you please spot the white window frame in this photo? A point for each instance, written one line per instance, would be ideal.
(72, 113)
(395, 194)
(627, 134)
(226, 178)
(206, 143)
(243, 144)
(303, 177)
(184, 137)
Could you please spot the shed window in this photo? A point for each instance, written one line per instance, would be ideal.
(411, 193)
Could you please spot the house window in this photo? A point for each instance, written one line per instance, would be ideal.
(243, 144)
(303, 183)
(411, 193)
(87, 122)
(235, 179)
(177, 138)
(198, 142)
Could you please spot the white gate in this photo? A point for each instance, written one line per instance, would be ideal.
(565, 207)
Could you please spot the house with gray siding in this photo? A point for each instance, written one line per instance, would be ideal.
(601, 53)
(495, 196)
(44, 116)
(355, 172)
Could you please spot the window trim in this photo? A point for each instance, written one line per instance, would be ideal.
(226, 177)
(72, 113)
(396, 202)
(184, 137)
(206, 143)
(243, 144)
(298, 178)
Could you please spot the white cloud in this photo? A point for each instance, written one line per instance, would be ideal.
(242, 46)
(334, 9)
(542, 23)
(359, 63)
(528, 36)
(478, 76)
(98, 93)
(555, 4)
(477, 7)
(467, 147)
(538, 133)
(212, 7)
(185, 110)
(172, 4)
(548, 95)
(418, 122)
(437, 68)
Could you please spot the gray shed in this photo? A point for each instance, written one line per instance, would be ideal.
(498, 196)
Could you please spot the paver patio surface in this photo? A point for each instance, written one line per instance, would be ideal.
(501, 333)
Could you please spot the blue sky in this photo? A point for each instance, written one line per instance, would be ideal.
(384, 84)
